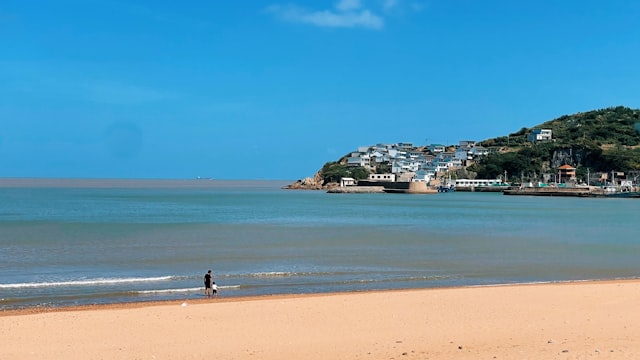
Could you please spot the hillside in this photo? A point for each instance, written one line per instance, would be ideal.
(596, 141)
(602, 141)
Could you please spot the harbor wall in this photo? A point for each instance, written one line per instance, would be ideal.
(548, 191)
(409, 187)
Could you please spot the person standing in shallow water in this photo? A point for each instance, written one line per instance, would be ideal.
(207, 284)
(214, 289)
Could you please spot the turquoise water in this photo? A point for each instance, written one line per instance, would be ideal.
(152, 240)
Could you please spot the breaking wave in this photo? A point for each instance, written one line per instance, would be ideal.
(86, 282)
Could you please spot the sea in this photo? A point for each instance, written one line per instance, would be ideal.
(66, 242)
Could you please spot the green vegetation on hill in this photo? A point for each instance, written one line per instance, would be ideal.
(596, 141)
(332, 172)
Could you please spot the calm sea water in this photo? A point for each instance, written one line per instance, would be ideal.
(84, 242)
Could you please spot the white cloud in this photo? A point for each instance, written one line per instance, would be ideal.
(352, 19)
(389, 4)
(348, 5)
(401, 6)
(347, 14)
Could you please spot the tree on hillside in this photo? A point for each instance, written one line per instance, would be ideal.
(600, 140)
(334, 171)
(359, 173)
(621, 160)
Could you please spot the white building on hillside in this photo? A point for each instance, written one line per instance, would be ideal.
(463, 153)
(359, 160)
(382, 177)
(540, 135)
(424, 175)
(479, 151)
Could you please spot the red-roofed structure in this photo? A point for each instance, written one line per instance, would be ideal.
(566, 172)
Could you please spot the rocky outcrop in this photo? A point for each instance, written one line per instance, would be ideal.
(305, 184)
(311, 183)
(568, 156)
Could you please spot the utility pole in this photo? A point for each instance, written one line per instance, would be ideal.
(588, 180)
(613, 178)
(559, 177)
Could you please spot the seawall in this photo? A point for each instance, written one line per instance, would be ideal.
(356, 190)
(405, 187)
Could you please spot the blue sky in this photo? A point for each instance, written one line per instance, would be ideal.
(274, 89)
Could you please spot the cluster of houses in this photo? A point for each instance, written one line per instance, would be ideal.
(407, 162)
(404, 162)
(423, 168)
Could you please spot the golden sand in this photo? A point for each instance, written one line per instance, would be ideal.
(545, 321)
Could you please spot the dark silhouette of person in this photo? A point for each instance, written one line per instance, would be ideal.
(207, 284)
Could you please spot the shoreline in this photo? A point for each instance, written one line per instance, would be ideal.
(565, 320)
(224, 299)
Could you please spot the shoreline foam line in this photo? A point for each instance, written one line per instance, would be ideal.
(99, 281)
(244, 298)
(537, 321)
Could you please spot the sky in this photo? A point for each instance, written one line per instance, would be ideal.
(275, 89)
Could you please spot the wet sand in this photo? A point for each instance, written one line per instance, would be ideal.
(542, 321)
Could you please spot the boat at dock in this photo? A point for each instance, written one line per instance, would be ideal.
(479, 185)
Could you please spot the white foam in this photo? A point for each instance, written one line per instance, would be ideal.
(229, 287)
(84, 282)
(168, 291)
(273, 274)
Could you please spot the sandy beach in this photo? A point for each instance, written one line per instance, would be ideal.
(542, 321)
